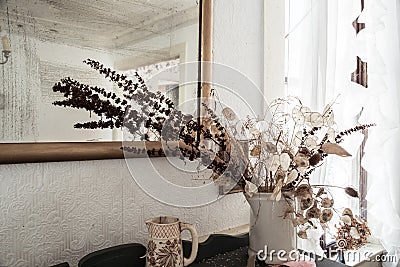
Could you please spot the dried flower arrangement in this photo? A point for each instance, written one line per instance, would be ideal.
(160, 120)
(285, 148)
(352, 231)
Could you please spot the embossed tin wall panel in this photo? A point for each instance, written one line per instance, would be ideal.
(55, 212)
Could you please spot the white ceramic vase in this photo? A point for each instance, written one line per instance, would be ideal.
(269, 232)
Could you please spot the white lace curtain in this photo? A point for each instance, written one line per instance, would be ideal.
(322, 47)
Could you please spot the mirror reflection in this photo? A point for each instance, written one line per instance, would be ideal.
(48, 40)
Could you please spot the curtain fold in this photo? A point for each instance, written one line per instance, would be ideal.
(381, 49)
(321, 55)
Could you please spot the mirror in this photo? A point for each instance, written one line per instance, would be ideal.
(50, 39)
(99, 28)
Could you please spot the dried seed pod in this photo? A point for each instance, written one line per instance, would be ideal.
(285, 160)
(348, 212)
(329, 120)
(297, 138)
(346, 219)
(354, 233)
(331, 134)
(358, 219)
(316, 119)
(276, 194)
(250, 188)
(327, 202)
(301, 219)
(326, 215)
(273, 163)
(292, 176)
(304, 150)
(307, 113)
(294, 221)
(302, 234)
(315, 159)
(306, 201)
(302, 170)
(351, 192)
(289, 210)
(297, 116)
(311, 142)
(289, 152)
(270, 147)
(256, 151)
(229, 114)
(313, 212)
(301, 161)
(303, 189)
(280, 175)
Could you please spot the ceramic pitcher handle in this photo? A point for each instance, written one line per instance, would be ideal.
(195, 243)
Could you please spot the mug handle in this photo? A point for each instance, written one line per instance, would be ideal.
(195, 243)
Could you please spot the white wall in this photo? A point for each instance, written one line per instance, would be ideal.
(54, 212)
(238, 43)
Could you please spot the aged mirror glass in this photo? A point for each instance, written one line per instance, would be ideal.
(50, 39)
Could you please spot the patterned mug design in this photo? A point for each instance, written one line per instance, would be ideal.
(164, 248)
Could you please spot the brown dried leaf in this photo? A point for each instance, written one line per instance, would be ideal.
(332, 148)
(294, 221)
(320, 192)
(351, 192)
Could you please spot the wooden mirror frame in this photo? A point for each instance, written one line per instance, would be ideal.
(12, 153)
